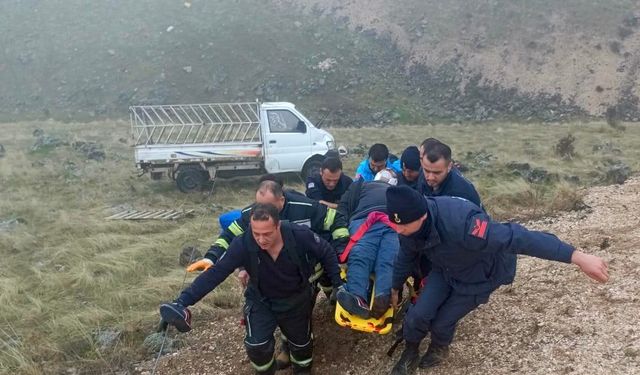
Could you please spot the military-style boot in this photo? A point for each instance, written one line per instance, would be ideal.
(408, 360)
(282, 359)
(434, 356)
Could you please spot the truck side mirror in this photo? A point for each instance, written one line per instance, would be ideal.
(302, 127)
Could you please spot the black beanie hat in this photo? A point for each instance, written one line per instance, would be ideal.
(411, 158)
(405, 205)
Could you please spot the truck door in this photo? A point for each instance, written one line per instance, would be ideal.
(288, 141)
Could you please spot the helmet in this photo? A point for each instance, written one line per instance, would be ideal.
(387, 175)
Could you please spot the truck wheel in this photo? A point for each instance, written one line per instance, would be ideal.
(311, 168)
(190, 179)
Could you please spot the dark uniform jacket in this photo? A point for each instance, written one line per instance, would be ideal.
(412, 184)
(317, 191)
(474, 254)
(362, 198)
(454, 185)
(297, 209)
(286, 277)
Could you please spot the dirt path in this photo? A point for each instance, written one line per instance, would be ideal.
(552, 320)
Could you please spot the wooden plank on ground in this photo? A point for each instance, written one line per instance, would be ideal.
(149, 215)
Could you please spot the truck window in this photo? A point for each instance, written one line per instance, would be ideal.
(283, 121)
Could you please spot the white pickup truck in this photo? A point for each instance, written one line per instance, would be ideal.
(195, 143)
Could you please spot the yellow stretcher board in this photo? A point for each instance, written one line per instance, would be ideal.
(381, 326)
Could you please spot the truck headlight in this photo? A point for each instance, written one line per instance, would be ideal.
(331, 145)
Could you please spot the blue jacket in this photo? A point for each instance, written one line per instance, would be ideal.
(474, 254)
(365, 173)
(454, 185)
(362, 198)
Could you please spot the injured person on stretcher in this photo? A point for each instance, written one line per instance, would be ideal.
(372, 249)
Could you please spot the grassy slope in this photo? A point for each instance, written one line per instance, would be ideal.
(67, 273)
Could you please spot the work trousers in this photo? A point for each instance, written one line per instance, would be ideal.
(373, 253)
(293, 316)
(438, 310)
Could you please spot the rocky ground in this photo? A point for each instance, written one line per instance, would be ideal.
(552, 320)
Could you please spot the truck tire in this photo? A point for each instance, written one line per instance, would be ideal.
(191, 178)
(311, 168)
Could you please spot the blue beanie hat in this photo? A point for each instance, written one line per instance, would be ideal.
(411, 158)
(405, 205)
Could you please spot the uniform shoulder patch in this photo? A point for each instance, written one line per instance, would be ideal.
(479, 228)
(316, 238)
(311, 185)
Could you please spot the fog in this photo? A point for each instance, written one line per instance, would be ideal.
(366, 62)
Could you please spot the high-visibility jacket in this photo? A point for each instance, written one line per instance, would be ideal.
(298, 209)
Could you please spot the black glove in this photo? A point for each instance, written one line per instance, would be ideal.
(176, 314)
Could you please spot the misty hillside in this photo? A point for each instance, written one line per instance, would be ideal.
(365, 61)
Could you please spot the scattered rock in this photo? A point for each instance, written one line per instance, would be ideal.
(38, 132)
(92, 150)
(106, 339)
(607, 148)
(360, 149)
(532, 175)
(615, 171)
(44, 142)
(187, 68)
(11, 224)
(188, 255)
(572, 179)
(327, 64)
(2, 150)
(477, 160)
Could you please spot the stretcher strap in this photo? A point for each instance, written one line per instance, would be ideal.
(372, 218)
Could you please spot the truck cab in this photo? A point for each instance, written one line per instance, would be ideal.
(292, 142)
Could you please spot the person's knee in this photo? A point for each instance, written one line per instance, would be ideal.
(415, 320)
(260, 353)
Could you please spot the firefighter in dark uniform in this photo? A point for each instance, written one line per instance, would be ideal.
(471, 256)
(278, 256)
(328, 186)
(295, 208)
(292, 207)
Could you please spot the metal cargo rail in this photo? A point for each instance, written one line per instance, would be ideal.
(195, 123)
